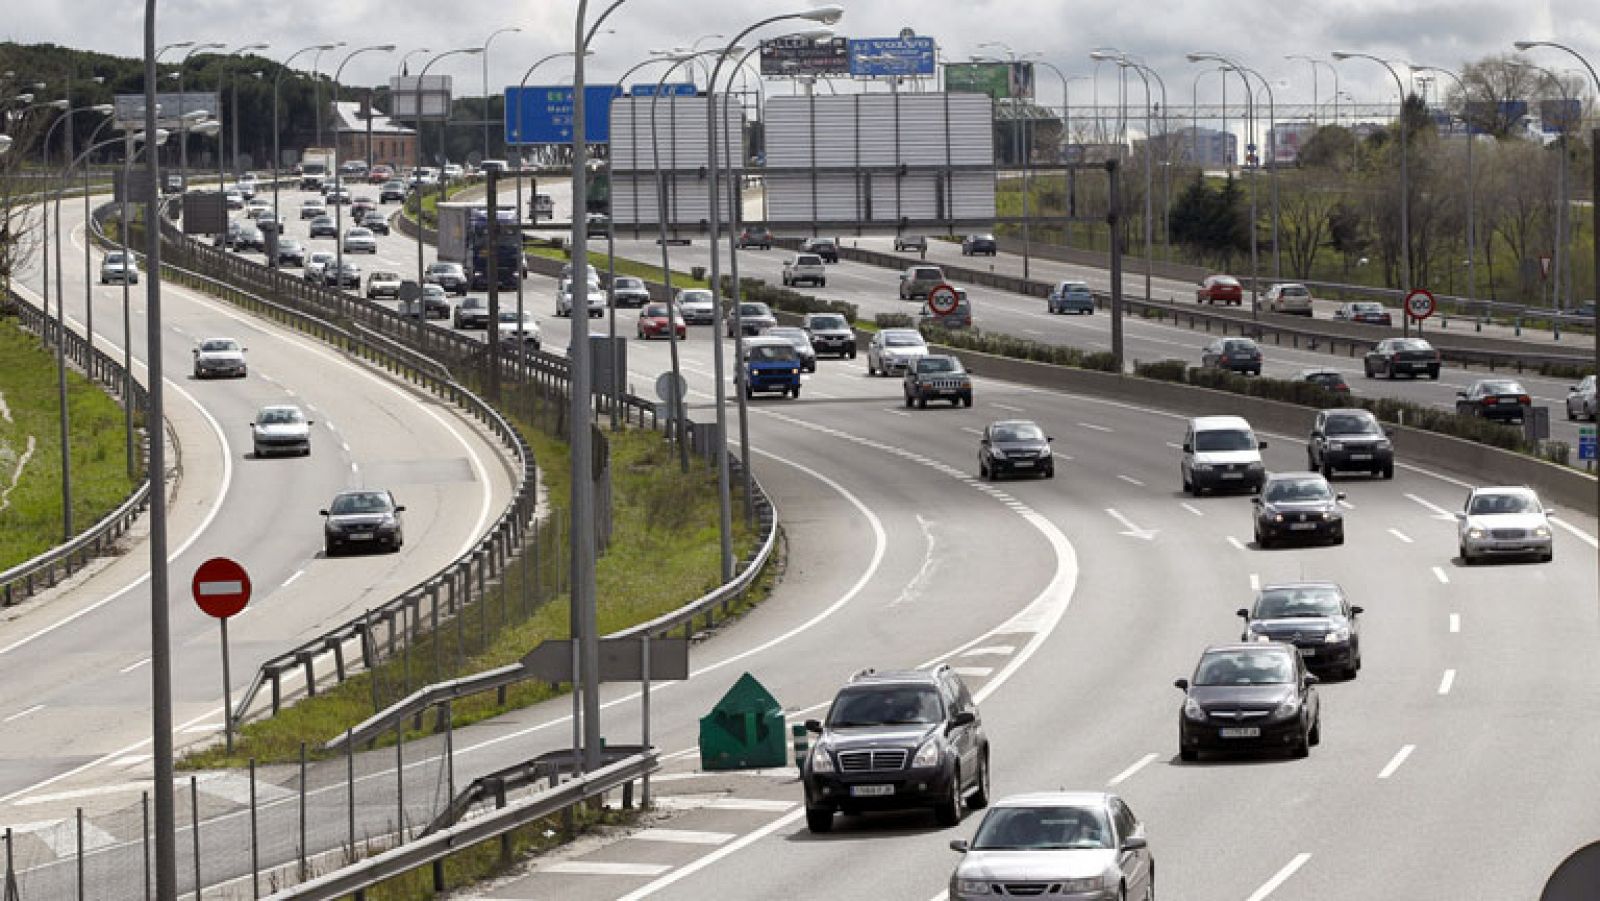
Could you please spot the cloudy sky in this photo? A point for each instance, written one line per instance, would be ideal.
(1258, 34)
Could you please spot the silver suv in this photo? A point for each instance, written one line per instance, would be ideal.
(917, 281)
(118, 268)
(804, 267)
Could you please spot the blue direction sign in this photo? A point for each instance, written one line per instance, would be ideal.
(670, 89)
(1587, 449)
(886, 57)
(543, 114)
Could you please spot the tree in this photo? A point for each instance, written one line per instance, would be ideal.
(1496, 90)
(1345, 232)
(1331, 147)
(1306, 204)
(1211, 222)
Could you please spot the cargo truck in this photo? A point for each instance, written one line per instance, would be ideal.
(316, 164)
(464, 239)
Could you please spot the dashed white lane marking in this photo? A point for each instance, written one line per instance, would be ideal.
(1127, 774)
(297, 574)
(344, 446)
(606, 868)
(1255, 582)
(1437, 511)
(331, 426)
(1347, 505)
(1395, 761)
(22, 713)
(1438, 573)
(1282, 876)
(976, 672)
(1191, 508)
(1455, 623)
(1130, 480)
(1235, 542)
(1401, 535)
(971, 431)
(1094, 428)
(1583, 536)
(1001, 650)
(354, 467)
(1446, 681)
(895, 412)
(1008, 408)
(1174, 445)
(133, 666)
(683, 836)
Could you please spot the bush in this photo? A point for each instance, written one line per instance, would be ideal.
(1019, 348)
(893, 320)
(1558, 452)
(781, 298)
(1162, 370)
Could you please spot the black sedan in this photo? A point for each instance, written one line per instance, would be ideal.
(822, 247)
(291, 252)
(627, 291)
(1315, 617)
(972, 245)
(324, 227)
(1350, 439)
(362, 519)
(1502, 399)
(1250, 696)
(1298, 505)
(1402, 356)
(1234, 354)
(1015, 447)
(345, 276)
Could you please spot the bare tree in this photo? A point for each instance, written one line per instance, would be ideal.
(1305, 203)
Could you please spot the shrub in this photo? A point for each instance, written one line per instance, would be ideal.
(1162, 370)
(1017, 348)
(781, 298)
(893, 320)
(1558, 452)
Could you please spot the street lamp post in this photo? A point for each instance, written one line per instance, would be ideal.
(486, 42)
(338, 178)
(462, 51)
(1316, 107)
(183, 128)
(233, 104)
(1123, 62)
(316, 81)
(1472, 205)
(1272, 175)
(277, 154)
(1405, 180)
(1250, 114)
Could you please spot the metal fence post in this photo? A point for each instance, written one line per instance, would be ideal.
(400, 777)
(194, 825)
(11, 872)
(80, 855)
(350, 786)
(302, 843)
(144, 808)
(255, 843)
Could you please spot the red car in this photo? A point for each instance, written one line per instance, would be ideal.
(1225, 288)
(653, 322)
(379, 175)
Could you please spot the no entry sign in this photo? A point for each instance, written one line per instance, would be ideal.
(221, 587)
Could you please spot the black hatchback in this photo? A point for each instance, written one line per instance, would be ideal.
(822, 247)
(1015, 447)
(1350, 439)
(1298, 506)
(1315, 617)
(1249, 696)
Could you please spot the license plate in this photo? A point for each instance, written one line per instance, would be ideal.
(361, 536)
(1308, 652)
(1361, 456)
(1302, 526)
(1240, 732)
(1022, 464)
(1233, 475)
(871, 791)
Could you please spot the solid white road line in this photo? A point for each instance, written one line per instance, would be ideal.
(1235, 542)
(1008, 408)
(1455, 623)
(1446, 681)
(1095, 428)
(1126, 774)
(1401, 535)
(1271, 885)
(1003, 650)
(1255, 582)
(1438, 573)
(606, 868)
(1395, 761)
(22, 713)
(133, 666)
(297, 574)
(1191, 508)
(976, 672)
(971, 431)
(683, 836)
(1583, 536)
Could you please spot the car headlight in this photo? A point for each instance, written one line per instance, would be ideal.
(1257, 466)
(1045, 451)
(927, 755)
(1277, 517)
(1330, 515)
(1541, 532)
(1475, 532)
(1193, 711)
(1385, 444)
(972, 887)
(1287, 708)
(821, 760)
(1336, 445)
(1088, 884)
(1338, 635)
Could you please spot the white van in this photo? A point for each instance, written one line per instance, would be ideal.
(1221, 452)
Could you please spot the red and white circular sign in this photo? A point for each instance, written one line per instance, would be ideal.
(942, 299)
(1420, 304)
(221, 587)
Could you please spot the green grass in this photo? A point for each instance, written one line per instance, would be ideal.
(601, 263)
(31, 523)
(663, 552)
(430, 204)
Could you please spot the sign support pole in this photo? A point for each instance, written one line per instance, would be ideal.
(227, 689)
(644, 714)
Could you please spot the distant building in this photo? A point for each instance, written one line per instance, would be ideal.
(1207, 148)
(392, 144)
(1285, 139)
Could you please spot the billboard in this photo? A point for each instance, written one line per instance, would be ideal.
(888, 57)
(418, 98)
(998, 80)
(128, 109)
(670, 89)
(1557, 115)
(790, 56)
(543, 114)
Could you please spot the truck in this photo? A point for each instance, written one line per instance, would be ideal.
(464, 239)
(316, 164)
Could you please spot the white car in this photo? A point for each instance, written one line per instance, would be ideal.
(383, 283)
(254, 208)
(118, 268)
(514, 333)
(312, 207)
(317, 264)
(1078, 845)
(219, 356)
(696, 306)
(596, 299)
(1504, 521)
(360, 240)
(893, 350)
(281, 429)
(1289, 298)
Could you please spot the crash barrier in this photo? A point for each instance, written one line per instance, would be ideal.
(22, 581)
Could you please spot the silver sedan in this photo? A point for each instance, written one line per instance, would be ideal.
(281, 429)
(1083, 846)
(1504, 521)
(360, 240)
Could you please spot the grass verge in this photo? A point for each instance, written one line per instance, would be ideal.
(30, 522)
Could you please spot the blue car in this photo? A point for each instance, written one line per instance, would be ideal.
(1071, 297)
(770, 365)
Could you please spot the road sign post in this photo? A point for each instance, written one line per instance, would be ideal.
(222, 589)
(1588, 450)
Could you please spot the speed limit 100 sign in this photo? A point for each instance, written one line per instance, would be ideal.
(943, 299)
(1420, 304)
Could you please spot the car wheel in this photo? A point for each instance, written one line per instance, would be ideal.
(819, 819)
(908, 401)
(966, 401)
(795, 391)
(1302, 748)
(1433, 374)
(1316, 731)
(983, 471)
(1366, 370)
(979, 798)
(1388, 472)
(1466, 559)
(1389, 372)
(1571, 416)
(1262, 541)
(852, 353)
(870, 369)
(1050, 473)
(922, 403)
(1547, 557)
(329, 549)
(1188, 755)
(948, 811)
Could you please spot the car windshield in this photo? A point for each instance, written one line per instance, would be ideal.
(808, 261)
(827, 322)
(632, 284)
(360, 502)
(280, 416)
(655, 311)
(1042, 828)
(938, 364)
(754, 309)
(927, 275)
(387, 277)
(1412, 344)
(1502, 503)
(886, 706)
(1367, 307)
(474, 303)
(1224, 440)
(432, 291)
(902, 339)
(218, 345)
(1505, 387)
(1074, 288)
(1252, 667)
(1298, 601)
(1239, 346)
(771, 352)
(1351, 424)
(1294, 291)
(1022, 431)
(695, 297)
(1297, 490)
(114, 257)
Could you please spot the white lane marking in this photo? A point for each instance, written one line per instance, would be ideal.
(1008, 408)
(1438, 573)
(926, 573)
(1095, 428)
(1191, 508)
(131, 760)
(1235, 542)
(1401, 535)
(606, 868)
(971, 431)
(895, 412)
(1437, 511)
(1174, 445)
(297, 574)
(95, 792)
(1583, 536)
(1127, 774)
(22, 713)
(354, 467)
(344, 446)
(1346, 504)
(202, 728)
(1446, 681)
(1001, 650)
(1395, 761)
(61, 836)
(1455, 623)
(758, 804)
(1130, 480)
(1255, 582)
(976, 672)
(331, 426)
(683, 836)
(1282, 876)
(133, 666)
(1131, 530)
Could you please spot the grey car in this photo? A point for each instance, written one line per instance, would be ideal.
(363, 519)
(627, 291)
(118, 268)
(801, 342)
(893, 350)
(1504, 521)
(1075, 846)
(754, 319)
(219, 357)
(281, 429)
(830, 334)
(1581, 400)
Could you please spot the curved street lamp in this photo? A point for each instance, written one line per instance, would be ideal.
(1472, 205)
(1316, 106)
(1405, 182)
(460, 51)
(1250, 113)
(277, 154)
(510, 29)
(183, 129)
(338, 177)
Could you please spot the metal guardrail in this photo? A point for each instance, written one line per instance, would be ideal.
(364, 874)
(549, 765)
(45, 570)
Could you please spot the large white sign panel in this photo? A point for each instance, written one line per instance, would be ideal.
(669, 132)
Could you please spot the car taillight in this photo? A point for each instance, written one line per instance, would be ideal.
(1525, 400)
(1491, 400)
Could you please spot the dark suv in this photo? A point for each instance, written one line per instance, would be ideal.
(894, 741)
(1345, 439)
(755, 236)
(822, 247)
